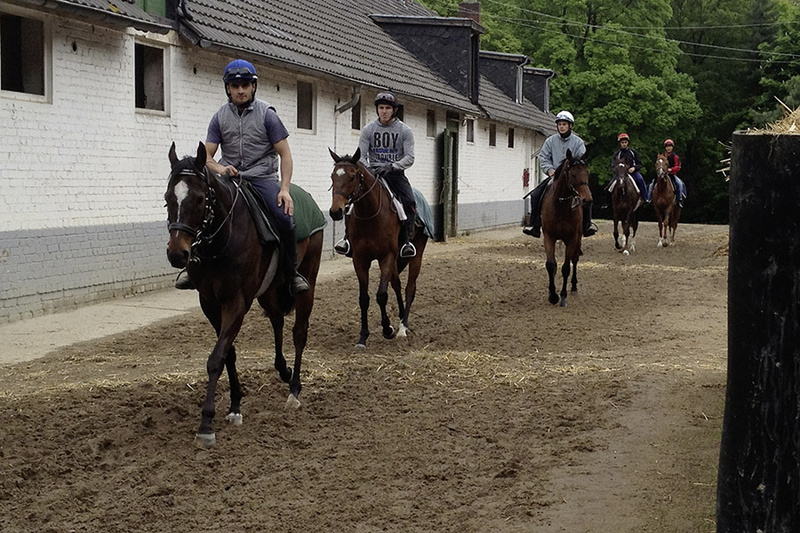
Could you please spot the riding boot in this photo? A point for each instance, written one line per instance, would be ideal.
(183, 282)
(536, 210)
(297, 283)
(589, 227)
(343, 246)
(408, 250)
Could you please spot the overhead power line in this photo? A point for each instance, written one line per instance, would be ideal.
(560, 21)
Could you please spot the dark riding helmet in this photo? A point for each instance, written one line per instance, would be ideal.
(623, 137)
(239, 69)
(386, 98)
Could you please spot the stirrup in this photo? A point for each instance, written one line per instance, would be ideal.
(183, 282)
(342, 247)
(408, 250)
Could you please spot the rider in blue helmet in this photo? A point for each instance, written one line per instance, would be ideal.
(255, 147)
(240, 70)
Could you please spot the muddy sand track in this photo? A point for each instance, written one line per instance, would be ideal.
(499, 413)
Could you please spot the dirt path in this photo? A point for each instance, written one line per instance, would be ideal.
(500, 412)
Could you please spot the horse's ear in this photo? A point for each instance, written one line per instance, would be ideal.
(335, 157)
(356, 156)
(569, 154)
(173, 157)
(200, 160)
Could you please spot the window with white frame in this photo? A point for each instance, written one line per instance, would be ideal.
(470, 130)
(22, 55)
(492, 134)
(511, 137)
(150, 77)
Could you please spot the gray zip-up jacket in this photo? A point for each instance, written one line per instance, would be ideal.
(554, 151)
(381, 144)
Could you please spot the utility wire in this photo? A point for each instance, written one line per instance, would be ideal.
(561, 22)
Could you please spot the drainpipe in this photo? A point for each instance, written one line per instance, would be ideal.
(342, 108)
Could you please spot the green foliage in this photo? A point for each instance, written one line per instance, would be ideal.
(684, 69)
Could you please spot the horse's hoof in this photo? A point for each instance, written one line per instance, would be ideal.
(361, 346)
(391, 334)
(292, 403)
(205, 440)
(563, 303)
(626, 252)
(234, 419)
(553, 299)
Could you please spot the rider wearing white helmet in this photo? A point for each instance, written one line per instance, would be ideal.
(552, 154)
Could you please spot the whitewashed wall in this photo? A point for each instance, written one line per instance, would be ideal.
(82, 176)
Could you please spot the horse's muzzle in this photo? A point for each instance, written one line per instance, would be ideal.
(178, 258)
(336, 214)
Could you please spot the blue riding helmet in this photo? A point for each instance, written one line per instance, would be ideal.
(239, 69)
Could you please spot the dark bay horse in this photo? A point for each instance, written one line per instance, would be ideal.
(213, 236)
(562, 219)
(666, 206)
(373, 229)
(625, 201)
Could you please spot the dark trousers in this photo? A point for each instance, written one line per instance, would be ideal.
(400, 185)
(269, 190)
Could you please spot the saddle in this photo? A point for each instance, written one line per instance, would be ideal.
(629, 178)
(308, 218)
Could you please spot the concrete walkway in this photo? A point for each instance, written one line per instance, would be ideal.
(36, 337)
(29, 339)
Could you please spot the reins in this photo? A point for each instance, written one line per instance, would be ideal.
(352, 199)
(574, 197)
(208, 216)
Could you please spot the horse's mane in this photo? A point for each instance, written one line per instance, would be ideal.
(573, 162)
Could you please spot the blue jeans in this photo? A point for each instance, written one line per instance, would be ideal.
(643, 190)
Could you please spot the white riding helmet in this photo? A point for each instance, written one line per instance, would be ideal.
(565, 115)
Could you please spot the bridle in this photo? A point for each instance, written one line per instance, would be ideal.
(355, 197)
(573, 195)
(200, 234)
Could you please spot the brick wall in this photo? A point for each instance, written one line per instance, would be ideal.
(82, 177)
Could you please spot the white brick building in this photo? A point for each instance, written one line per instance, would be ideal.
(87, 124)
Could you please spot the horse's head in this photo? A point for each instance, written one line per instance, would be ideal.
(189, 201)
(662, 166)
(345, 181)
(573, 173)
(619, 168)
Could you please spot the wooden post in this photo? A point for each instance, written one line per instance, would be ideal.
(758, 485)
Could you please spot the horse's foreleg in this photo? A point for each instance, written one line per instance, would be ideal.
(362, 272)
(234, 415)
(388, 273)
(232, 317)
(616, 233)
(401, 307)
(565, 277)
(551, 274)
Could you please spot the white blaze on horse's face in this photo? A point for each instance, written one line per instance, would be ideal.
(340, 172)
(181, 192)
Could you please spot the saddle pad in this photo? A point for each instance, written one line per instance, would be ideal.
(424, 213)
(308, 219)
